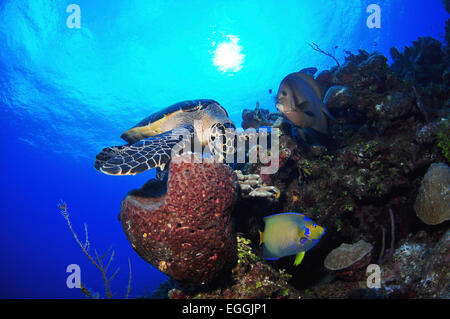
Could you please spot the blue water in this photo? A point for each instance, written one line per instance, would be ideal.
(65, 93)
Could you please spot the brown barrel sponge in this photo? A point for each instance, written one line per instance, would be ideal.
(184, 227)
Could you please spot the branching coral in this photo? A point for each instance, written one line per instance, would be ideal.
(98, 261)
(384, 257)
(315, 47)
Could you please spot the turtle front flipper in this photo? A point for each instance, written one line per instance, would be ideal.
(151, 152)
(106, 154)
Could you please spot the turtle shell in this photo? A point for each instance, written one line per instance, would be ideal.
(150, 141)
(184, 106)
(151, 125)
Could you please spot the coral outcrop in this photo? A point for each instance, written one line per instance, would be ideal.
(432, 204)
(251, 278)
(257, 118)
(185, 230)
(419, 268)
(349, 261)
(425, 64)
(253, 186)
(422, 62)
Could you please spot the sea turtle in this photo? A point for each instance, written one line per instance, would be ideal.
(150, 142)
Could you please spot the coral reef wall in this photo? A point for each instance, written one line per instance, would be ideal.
(367, 184)
(391, 124)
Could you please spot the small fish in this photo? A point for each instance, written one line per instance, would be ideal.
(299, 99)
(289, 234)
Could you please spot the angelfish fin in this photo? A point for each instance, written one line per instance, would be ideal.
(327, 112)
(299, 258)
(302, 134)
(261, 237)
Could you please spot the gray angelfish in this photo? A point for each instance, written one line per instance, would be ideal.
(300, 100)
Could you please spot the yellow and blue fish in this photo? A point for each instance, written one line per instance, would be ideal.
(289, 234)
